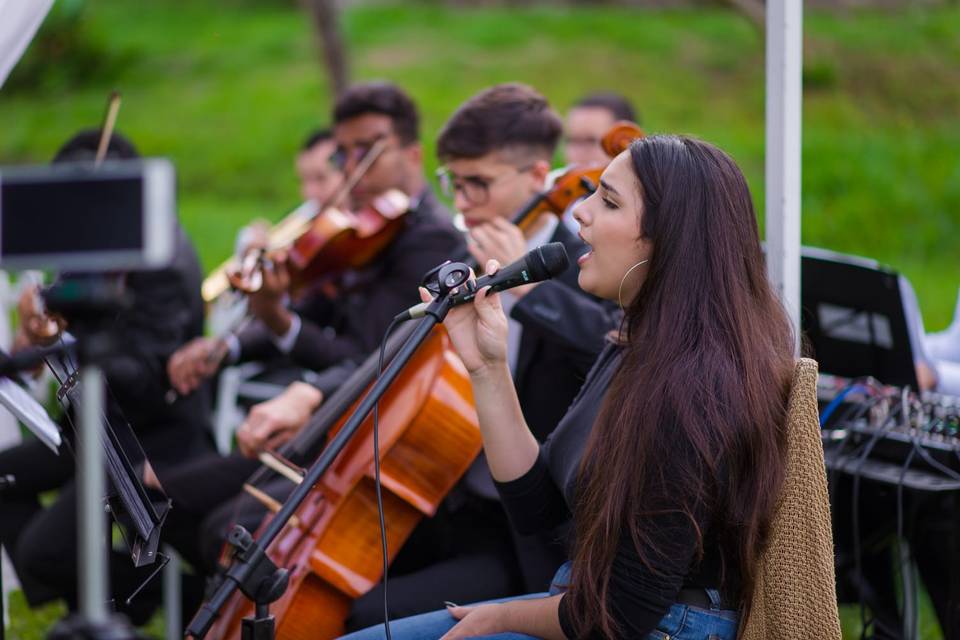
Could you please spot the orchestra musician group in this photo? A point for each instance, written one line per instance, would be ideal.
(633, 410)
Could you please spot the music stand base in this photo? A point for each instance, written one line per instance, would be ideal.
(77, 627)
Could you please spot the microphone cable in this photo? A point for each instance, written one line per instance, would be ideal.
(376, 475)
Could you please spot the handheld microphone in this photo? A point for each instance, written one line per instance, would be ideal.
(539, 264)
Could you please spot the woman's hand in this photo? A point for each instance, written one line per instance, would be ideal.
(479, 330)
(536, 617)
(485, 620)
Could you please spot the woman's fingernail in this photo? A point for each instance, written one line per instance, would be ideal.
(449, 604)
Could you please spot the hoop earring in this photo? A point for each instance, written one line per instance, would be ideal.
(624, 279)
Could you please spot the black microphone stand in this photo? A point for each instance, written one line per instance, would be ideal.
(251, 570)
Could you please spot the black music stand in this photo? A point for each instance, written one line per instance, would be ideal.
(853, 317)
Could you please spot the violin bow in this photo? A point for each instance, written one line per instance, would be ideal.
(109, 122)
(376, 150)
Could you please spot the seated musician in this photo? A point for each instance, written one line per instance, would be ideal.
(587, 121)
(320, 180)
(320, 183)
(323, 333)
(496, 151)
(319, 177)
(670, 460)
(166, 310)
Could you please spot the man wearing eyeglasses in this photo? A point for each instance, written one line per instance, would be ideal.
(326, 334)
(496, 150)
(321, 332)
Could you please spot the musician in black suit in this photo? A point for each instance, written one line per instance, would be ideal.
(496, 151)
(326, 333)
(166, 309)
(469, 546)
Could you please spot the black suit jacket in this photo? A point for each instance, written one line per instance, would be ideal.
(563, 332)
(334, 335)
(351, 326)
(166, 310)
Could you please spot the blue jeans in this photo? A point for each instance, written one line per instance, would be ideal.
(682, 622)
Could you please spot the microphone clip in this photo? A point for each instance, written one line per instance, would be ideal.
(443, 282)
(446, 277)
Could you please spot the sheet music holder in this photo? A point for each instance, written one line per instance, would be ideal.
(30, 413)
(126, 492)
(853, 316)
(125, 489)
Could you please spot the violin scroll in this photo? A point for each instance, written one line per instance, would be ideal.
(616, 140)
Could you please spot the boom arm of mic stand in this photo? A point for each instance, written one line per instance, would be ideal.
(208, 613)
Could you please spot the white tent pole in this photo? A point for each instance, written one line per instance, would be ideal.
(783, 153)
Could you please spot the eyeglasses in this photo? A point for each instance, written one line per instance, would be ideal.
(354, 155)
(475, 189)
(581, 141)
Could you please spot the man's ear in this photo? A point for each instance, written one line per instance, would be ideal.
(539, 172)
(414, 154)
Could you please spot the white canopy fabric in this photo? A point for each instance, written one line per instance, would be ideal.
(19, 21)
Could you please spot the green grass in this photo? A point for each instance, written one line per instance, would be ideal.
(227, 89)
(33, 624)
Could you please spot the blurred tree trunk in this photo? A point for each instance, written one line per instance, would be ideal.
(754, 10)
(325, 15)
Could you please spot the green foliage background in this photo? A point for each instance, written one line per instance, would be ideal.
(228, 88)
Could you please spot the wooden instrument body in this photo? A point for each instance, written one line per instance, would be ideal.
(429, 436)
(338, 239)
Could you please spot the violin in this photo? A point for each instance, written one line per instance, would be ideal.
(577, 182)
(429, 437)
(320, 239)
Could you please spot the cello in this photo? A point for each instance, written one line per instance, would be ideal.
(430, 437)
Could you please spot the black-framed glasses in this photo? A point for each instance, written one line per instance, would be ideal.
(475, 189)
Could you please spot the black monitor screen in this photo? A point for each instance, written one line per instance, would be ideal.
(71, 216)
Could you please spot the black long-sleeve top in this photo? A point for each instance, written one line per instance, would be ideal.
(639, 595)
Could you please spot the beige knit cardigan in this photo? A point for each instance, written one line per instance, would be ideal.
(795, 595)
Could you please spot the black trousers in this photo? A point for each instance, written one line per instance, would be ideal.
(42, 541)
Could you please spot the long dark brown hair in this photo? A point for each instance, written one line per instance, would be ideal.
(705, 374)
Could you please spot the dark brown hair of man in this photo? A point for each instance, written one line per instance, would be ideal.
(506, 117)
(617, 104)
(705, 377)
(386, 99)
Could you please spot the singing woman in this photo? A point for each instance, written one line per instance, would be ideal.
(670, 460)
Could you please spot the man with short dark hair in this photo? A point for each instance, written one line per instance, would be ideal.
(322, 332)
(326, 333)
(496, 150)
(319, 178)
(588, 119)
